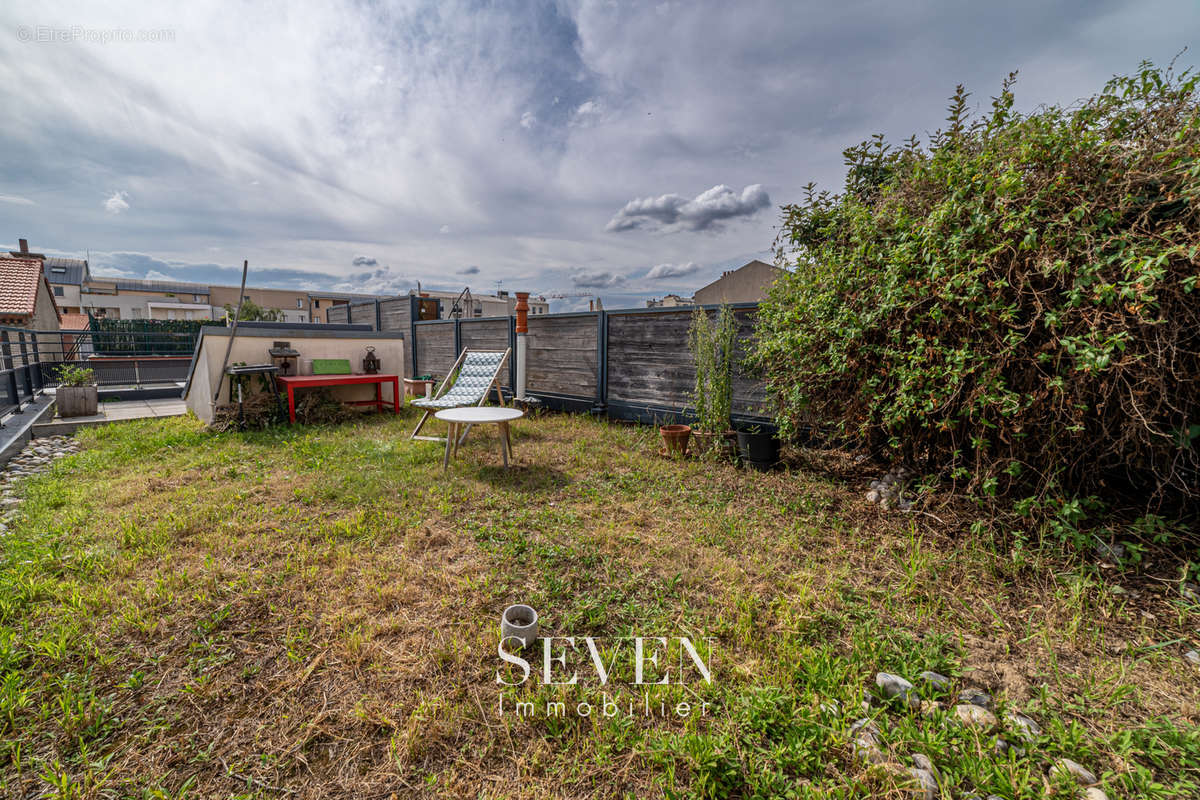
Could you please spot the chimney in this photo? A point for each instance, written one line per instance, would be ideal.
(24, 245)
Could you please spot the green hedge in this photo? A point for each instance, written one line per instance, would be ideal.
(1013, 306)
(163, 337)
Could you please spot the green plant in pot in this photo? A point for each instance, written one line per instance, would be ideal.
(758, 447)
(712, 346)
(77, 394)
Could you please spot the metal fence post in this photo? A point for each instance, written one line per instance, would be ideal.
(457, 337)
(602, 361)
(6, 359)
(25, 368)
(512, 354)
(378, 317)
(414, 314)
(37, 359)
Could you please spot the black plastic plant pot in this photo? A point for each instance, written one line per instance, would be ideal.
(760, 449)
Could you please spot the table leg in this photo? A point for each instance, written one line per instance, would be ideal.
(504, 443)
(395, 395)
(292, 404)
(378, 397)
(508, 437)
(449, 439)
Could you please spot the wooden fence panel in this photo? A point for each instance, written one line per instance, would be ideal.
(435, 348)
(561, 355)
(395, 314)
(648, 359)
(484, 334)
(650, 364)
(337, 314)
(363, 314)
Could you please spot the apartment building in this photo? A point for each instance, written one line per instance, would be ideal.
(66, 277)
(291, 303)
(669, 301)
(746, 284)
(501, 304)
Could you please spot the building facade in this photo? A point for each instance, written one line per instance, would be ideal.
(670, 301)
(746, 284)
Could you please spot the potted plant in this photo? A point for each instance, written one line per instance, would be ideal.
(77, 394)
(758, 448)
(675, 439)
(712, 344)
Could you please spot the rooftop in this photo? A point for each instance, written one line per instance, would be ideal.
(71, 271)
(19, 282)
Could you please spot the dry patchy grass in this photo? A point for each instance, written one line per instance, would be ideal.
(312, 612)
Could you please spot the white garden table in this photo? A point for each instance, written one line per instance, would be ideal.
(477, 415)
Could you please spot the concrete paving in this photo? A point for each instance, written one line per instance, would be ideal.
(115, 411)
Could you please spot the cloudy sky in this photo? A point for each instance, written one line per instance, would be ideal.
(623, 148)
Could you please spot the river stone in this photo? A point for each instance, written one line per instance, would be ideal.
(1092, 793)
(1004, 747)
(931, 707)
(926, 780)
(1075, 769)
(897, 687)
(936, 680)
(1193, 656)
(974, 716)
(976, 697)
(1025, 727)
(922, 761)
(873, 496)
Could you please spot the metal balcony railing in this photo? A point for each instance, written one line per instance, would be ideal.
(30, 360)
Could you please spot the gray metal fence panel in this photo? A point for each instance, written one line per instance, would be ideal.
(563, 355)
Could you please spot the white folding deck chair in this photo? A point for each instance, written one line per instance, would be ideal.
(475, 374)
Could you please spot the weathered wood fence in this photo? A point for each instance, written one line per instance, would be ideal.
(630, 364)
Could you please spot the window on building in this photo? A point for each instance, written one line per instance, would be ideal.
(135, 313)
(59, 270)
(316, 303)
(58, 291)
(197, 298)
(299, 303)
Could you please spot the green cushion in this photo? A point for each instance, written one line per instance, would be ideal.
(331, 366)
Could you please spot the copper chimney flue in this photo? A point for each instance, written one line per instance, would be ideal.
(23, 244)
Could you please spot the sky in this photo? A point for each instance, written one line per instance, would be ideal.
(623, 149)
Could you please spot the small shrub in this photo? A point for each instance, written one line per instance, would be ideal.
(72, 375)
(712, 346)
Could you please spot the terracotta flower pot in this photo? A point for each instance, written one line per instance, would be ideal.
(675, 438)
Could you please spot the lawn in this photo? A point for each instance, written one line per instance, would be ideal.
(313, 612)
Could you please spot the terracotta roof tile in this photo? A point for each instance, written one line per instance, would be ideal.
(20, 279)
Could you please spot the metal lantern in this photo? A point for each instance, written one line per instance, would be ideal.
(370, 362)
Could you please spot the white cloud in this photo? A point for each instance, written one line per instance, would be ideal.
(15, 200)
(444, 229)
(155, 275)
(103, 271)
(587, 113)
(528, 120)
(665, 271)
(596, 279)
(117, 202)
(676, 212)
